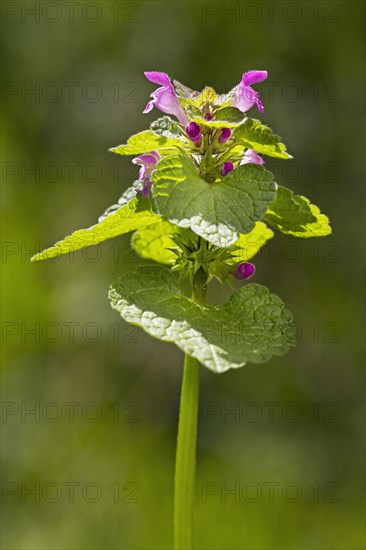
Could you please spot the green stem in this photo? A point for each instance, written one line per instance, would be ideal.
(185, 464)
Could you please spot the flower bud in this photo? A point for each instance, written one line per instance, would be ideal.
(226, 168)
(244, 270)
(208, 116)
(225, 135)
(194, 131)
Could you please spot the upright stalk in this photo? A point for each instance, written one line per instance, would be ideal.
(185, 464)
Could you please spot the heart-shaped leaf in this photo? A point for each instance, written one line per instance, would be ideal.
(217, 211)
(251, 327)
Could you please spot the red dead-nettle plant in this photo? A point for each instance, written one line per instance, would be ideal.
(202, 207)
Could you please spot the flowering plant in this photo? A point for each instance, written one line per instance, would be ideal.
(202, 207)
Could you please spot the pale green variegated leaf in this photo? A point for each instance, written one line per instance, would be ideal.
(187, 98)
(255, 135)
(295, 215)
(148, 141)
(216, 211)
(248, 245)
(225, 100)
(184, 91)
(153, 242)
(251, 327)
(130, 217)
(167, 127)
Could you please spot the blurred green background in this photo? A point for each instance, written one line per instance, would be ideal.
(98, 452)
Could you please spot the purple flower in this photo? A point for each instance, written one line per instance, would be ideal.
(251, 157)
(208, 116)
(226, 168)
(165, 98)
(194, 131)
(244, 270)
(148, 164)
(245, 96)
(225, 135)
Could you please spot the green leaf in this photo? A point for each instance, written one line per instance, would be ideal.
(167, 127)
(148, 141)
(208, 95)
(260, 138)
(127, 218)
(216, 211)
(248, 245)
(127, 195)
(153, 242)
(229, 114)
(212, 123)
(295, 215)
(252, 326)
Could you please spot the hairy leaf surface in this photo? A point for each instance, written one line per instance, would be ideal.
(295, 215)
(216, 211)
(251, 327)
(128, 218)
(148, 141)
(255, 135)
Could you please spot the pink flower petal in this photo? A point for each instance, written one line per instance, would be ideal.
(165, 98)
(252, 77)
(158, 78)
(251, 157)
(245, 98)
(144, 159)
(148, 107)
(259, 104)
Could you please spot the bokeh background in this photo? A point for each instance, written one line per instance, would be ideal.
(92, 466)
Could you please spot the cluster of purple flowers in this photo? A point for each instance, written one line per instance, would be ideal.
(166, 100)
